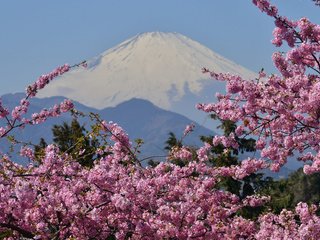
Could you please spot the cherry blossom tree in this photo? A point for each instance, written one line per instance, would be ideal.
(282, 110)
(119, 199)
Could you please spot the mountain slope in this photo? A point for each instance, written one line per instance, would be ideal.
(143, 119)
(139, 118)
(160, 67)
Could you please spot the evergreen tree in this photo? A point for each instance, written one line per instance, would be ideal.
(39, 150)
(298, 187)
(72, 139)
(223, 157)
(174, 142)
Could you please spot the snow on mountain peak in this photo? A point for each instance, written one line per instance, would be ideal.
(156, 66)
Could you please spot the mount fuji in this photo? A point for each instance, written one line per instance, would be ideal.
(164, 68)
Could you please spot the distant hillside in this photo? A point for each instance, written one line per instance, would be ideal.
(140, 119)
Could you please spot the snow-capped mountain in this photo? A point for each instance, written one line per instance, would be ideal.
(163, 68)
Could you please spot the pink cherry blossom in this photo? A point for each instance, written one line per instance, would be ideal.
(57, 198)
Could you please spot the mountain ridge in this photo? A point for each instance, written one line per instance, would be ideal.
(152, 123)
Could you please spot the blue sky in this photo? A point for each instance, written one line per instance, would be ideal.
(36, 36)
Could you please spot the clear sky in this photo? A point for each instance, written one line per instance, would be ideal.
(36, 36)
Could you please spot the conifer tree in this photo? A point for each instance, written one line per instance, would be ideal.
(71, 139)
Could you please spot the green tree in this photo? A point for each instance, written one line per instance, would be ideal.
(306, 187)
(281, 194)
(73, 140)
(225, 157)
(287, 193)
(298, 187)
(174, 142)
(39, 150)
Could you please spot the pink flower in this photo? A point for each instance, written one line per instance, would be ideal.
(27, 152)
(188, 129)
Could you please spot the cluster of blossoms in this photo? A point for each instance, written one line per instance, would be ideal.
(16, 119)
(45, 79)
(116, 198)
(189, 128)
(60, 199)
(282, 110)
(285, 226)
